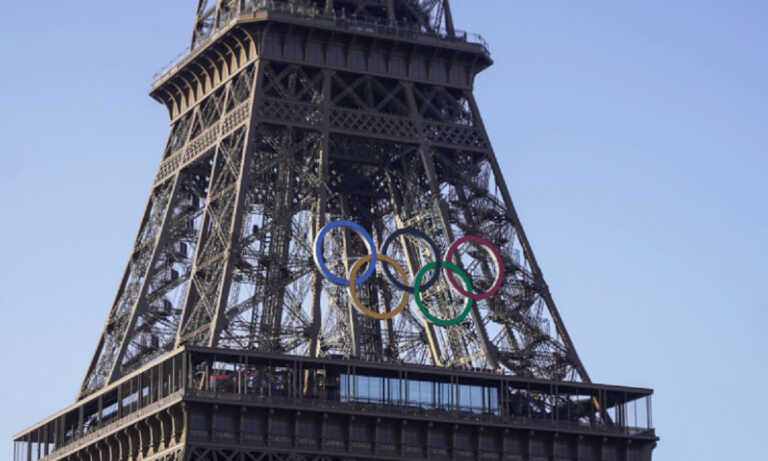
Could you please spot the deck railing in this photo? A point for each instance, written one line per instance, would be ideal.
(340, 21)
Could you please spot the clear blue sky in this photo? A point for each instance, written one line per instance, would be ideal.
(633, 136)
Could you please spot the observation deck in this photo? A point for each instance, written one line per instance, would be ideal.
(257, 401)
(330, 20)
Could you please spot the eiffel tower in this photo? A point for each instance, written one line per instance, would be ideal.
(225, 341)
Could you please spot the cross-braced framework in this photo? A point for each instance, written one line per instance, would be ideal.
(287, 115)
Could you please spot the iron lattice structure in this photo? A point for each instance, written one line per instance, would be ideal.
(286, 115)
(225, 342)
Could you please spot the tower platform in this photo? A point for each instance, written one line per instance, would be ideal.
(217, 404)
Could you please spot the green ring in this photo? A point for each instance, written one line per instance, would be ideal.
(417, 293)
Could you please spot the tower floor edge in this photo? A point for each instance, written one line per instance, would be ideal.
(203, 404)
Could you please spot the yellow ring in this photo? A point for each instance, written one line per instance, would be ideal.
(353, 291)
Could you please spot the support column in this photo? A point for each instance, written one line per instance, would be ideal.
(527, 249)
(322, 203)
(413, 268)
(236, 221)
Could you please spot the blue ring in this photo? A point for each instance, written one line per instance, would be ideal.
(318, 256)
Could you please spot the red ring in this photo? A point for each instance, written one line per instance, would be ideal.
(493, 252)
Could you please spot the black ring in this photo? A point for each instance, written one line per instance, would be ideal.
(419, 235)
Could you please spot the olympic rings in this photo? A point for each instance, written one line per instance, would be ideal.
(363, 309)
(417, 294)
(493, 251)
(318, 255)
(436, 266)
